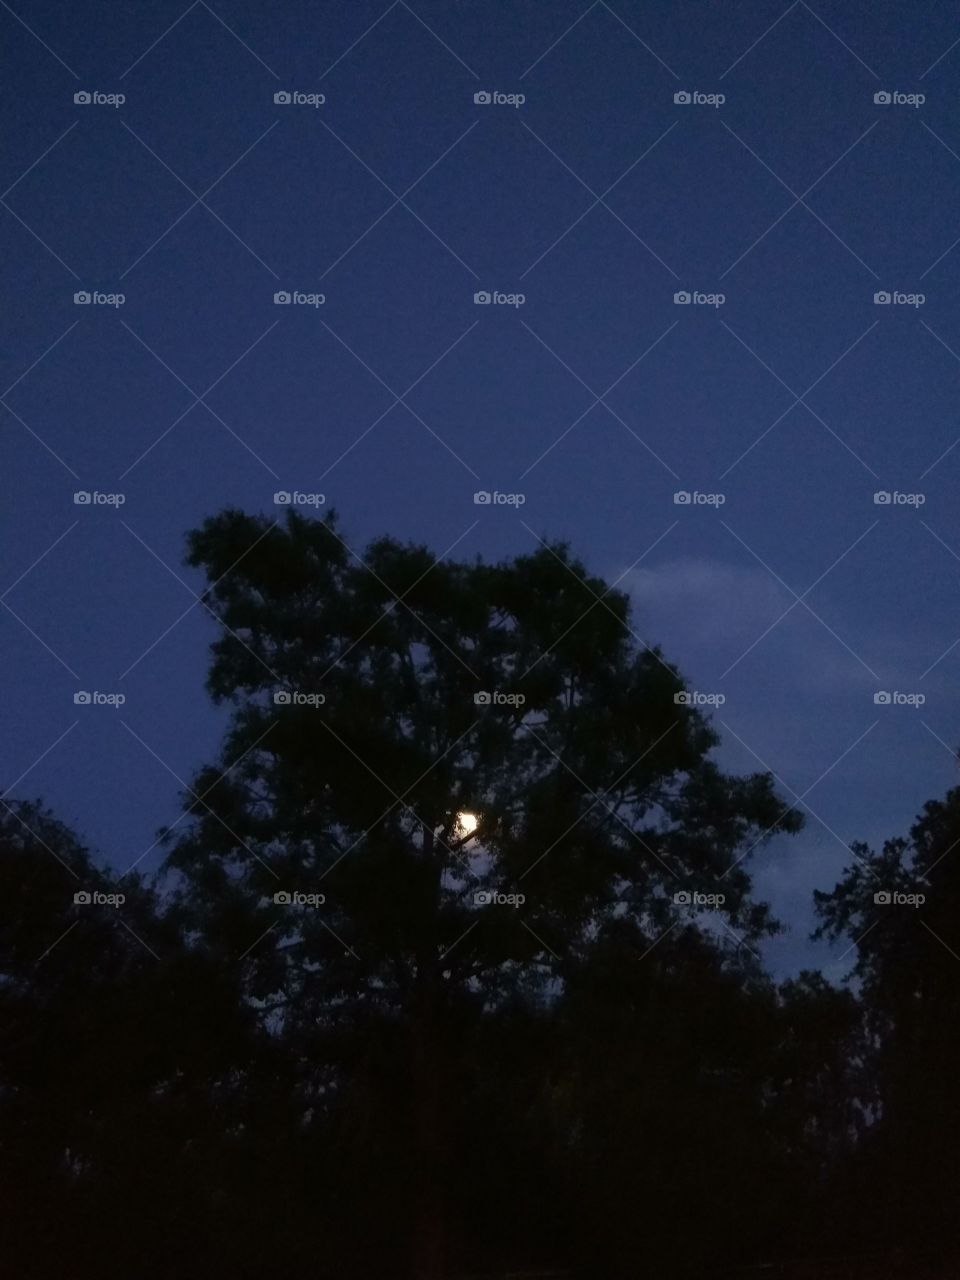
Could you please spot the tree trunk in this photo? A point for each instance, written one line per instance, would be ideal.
(429, 1173)
(429, 1107)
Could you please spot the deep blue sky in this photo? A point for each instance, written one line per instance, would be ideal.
(506, 198)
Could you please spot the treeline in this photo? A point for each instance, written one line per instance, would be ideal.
(434, 984)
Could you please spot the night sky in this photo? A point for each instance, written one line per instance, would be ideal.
(599, 197)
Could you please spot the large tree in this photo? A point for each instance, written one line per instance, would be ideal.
(900, 907)
(471, 850)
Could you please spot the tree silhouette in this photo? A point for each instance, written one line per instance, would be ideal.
(908, 965)
(471, 852)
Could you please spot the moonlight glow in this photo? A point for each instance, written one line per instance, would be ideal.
(466, 823)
